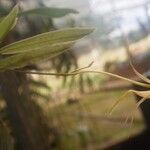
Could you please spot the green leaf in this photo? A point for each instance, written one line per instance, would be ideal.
(23, 59)
(8, 22)
(45, 39)
(1, 18)
(50, 12)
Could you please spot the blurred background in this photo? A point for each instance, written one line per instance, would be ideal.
(70, 113)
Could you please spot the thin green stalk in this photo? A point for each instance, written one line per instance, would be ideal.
(89, 71)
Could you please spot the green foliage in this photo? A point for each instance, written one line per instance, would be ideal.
(49, 12)
(23, 59)
(8, 22)
(1, 18)
(39, 47)
(46, 39)
(46, 45)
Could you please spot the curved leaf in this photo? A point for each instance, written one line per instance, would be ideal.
(46, 39)
(50, 12)
(23, 59)
(8, 22)
(144, 94)
(142, 77)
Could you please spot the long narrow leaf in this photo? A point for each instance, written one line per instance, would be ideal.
(23, 59)
(8, 22)
(50, 12)
(140, 75)
(46, 39)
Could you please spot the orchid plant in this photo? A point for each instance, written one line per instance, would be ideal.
(144, 94)
(48, 45)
